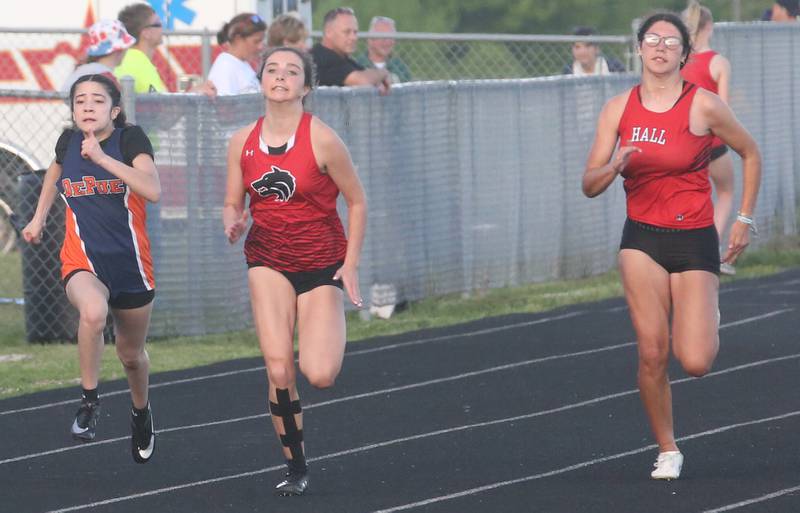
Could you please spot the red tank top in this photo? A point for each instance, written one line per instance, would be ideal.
(698, 71)
(293, 204)
(666, 184)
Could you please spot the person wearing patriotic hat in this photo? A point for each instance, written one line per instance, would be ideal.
(108, 41)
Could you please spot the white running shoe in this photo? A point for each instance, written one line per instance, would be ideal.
(668, 465)
(728, 269)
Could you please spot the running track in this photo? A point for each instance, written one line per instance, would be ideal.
(515, 414)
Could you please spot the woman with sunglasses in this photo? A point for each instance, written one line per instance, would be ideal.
(669, 255)
(243, 40)
(143, 23)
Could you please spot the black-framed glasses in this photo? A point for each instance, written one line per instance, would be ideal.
(154, 25)
(671, 42)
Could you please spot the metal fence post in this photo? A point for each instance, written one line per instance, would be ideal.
(205, 52)
(129, 99)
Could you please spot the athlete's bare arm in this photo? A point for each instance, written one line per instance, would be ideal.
(600, 170)
(709, 111)
(720, 69)
(334, 159)
(234, 216)
(32, 232)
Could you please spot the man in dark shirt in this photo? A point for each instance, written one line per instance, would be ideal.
(335, 67)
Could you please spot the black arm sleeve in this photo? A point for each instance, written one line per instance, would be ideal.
(133, 142)
(62, 145)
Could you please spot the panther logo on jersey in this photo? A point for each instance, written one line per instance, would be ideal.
(278, 181)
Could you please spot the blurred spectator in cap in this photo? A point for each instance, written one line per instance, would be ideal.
(785, 10)
(587, 58)
(288, 30)
(142, 22)
(108, 41)
(232, 71)
(379, 51)
(332, 55)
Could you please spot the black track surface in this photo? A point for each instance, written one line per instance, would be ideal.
(521, 413)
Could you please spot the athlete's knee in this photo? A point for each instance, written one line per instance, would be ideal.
(281, 372)
(94, 316)
(131, 359)
(653, 358)
(320, 374)
(697, 366)
(322, 378)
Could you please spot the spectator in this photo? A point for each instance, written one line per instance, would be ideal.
(289, 31)
(232, 72)
(587, 58)
(335, 67)
(785, 10)
(143, 23)
(379, 51)
(108, 41)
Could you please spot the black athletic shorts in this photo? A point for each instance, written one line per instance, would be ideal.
(304, 281)
(718, 151)
(673, 249)
(121, 300)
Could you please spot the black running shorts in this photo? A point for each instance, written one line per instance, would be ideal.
(673, 249)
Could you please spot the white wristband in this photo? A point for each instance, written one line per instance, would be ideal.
(749, 221)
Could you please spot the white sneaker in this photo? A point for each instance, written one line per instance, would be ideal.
(726, 268)
(668, 465)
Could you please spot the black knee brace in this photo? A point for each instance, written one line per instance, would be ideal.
(286, 409)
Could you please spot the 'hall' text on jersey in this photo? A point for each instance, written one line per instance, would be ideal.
(666, 184)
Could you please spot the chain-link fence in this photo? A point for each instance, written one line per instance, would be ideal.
(472, 184)
(42, 60)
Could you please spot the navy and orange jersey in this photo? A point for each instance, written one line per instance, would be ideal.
(292, 203)
(698, 71)
(105, 220)
(666, 184)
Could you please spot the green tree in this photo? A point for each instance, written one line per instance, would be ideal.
(521, 16)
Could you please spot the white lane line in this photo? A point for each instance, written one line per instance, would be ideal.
(418, 437)
(423, 384)
(755, 500)
(578, 466)
(349, 353)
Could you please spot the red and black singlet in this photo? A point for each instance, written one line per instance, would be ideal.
(292, 203)
(666, 184)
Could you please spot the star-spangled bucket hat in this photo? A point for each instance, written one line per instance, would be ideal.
(107, 36)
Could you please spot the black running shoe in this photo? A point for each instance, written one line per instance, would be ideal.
(294, 482)
(85, 424)
(143, 436)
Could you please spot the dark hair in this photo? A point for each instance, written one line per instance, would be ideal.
(585, 31)
(333, 13)
(135, 18)
(672, 19)
(112, 90)
(309, 68)
(791, 6)
(242, 25)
